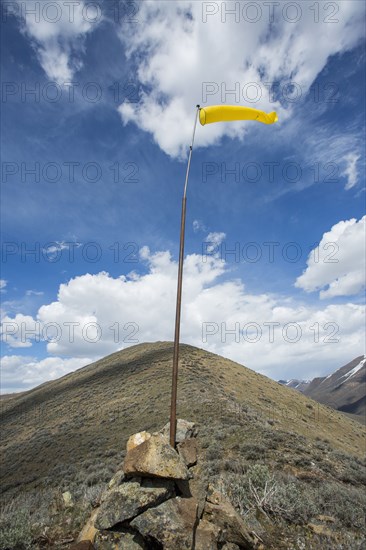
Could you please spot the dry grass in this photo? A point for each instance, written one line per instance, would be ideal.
(70, 434)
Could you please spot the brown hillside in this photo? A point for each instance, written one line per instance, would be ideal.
(70, 435)
(60, 424)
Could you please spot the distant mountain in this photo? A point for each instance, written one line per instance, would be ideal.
(299, 385)
(344, 389)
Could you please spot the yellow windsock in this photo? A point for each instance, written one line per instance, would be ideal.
(226, 113)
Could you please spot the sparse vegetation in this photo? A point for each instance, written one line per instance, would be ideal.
(40, 517)
(287, 501)
(73, 431)
(15, 529)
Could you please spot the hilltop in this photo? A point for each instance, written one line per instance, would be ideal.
(71, 433)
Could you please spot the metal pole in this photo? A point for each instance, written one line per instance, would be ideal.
(173, 406)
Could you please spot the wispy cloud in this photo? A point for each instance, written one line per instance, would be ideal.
(198, 225)
(351, 171)
(34, 293)
(57, 31)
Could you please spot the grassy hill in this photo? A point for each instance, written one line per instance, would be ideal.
(70, 434)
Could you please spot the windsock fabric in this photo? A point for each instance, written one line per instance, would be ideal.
(226, 113)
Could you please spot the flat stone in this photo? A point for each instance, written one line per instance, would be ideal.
(214, 496)
(171, 523)
(130, 499)
(136, 439)
(89, 532)
(206, 536)
(188, 451)
(195, 487)
(82, 545)
(155, 457)
(67, 499)
(129, 540)
(184, 430)
(220, 512)
(117, 479)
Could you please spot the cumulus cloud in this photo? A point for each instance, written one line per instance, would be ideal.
(337, 266)
(19, 373)
(181, 61)
(98, 314)
(57, 31)
(19, 331)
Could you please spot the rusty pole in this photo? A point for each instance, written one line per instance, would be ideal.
(173, 406)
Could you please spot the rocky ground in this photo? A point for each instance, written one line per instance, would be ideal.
(162, 500)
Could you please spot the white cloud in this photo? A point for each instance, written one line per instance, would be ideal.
(19, 331)
(178, 55)
(351, 172)
(34, 293)
(53, 250)
(337, 266)
(3, 284)
(19, 373)
(198, 225)
(57, 30)
(98, 314)
(213, 241)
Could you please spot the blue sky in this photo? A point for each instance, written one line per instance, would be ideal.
(93, 166)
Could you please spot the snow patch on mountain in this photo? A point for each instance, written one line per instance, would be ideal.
(353, 371)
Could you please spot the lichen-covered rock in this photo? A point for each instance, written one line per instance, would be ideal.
(82, 545)
(195, 487)
(184, 430)
(156, 458)
(117, 479)
(130, 499)
(137, 439)
(206, 536)
(129, 540)
(171, 523)
(188, 451)
(220, 512)
(214, 496)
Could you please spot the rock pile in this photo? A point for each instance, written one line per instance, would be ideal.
(161, 500)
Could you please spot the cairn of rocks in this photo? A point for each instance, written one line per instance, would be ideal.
(161, 499)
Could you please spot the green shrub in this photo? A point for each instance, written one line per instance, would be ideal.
(213, 452)
(346, 504)
(274, 494)
(253, 451)
(15, 530)
(293, 501)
